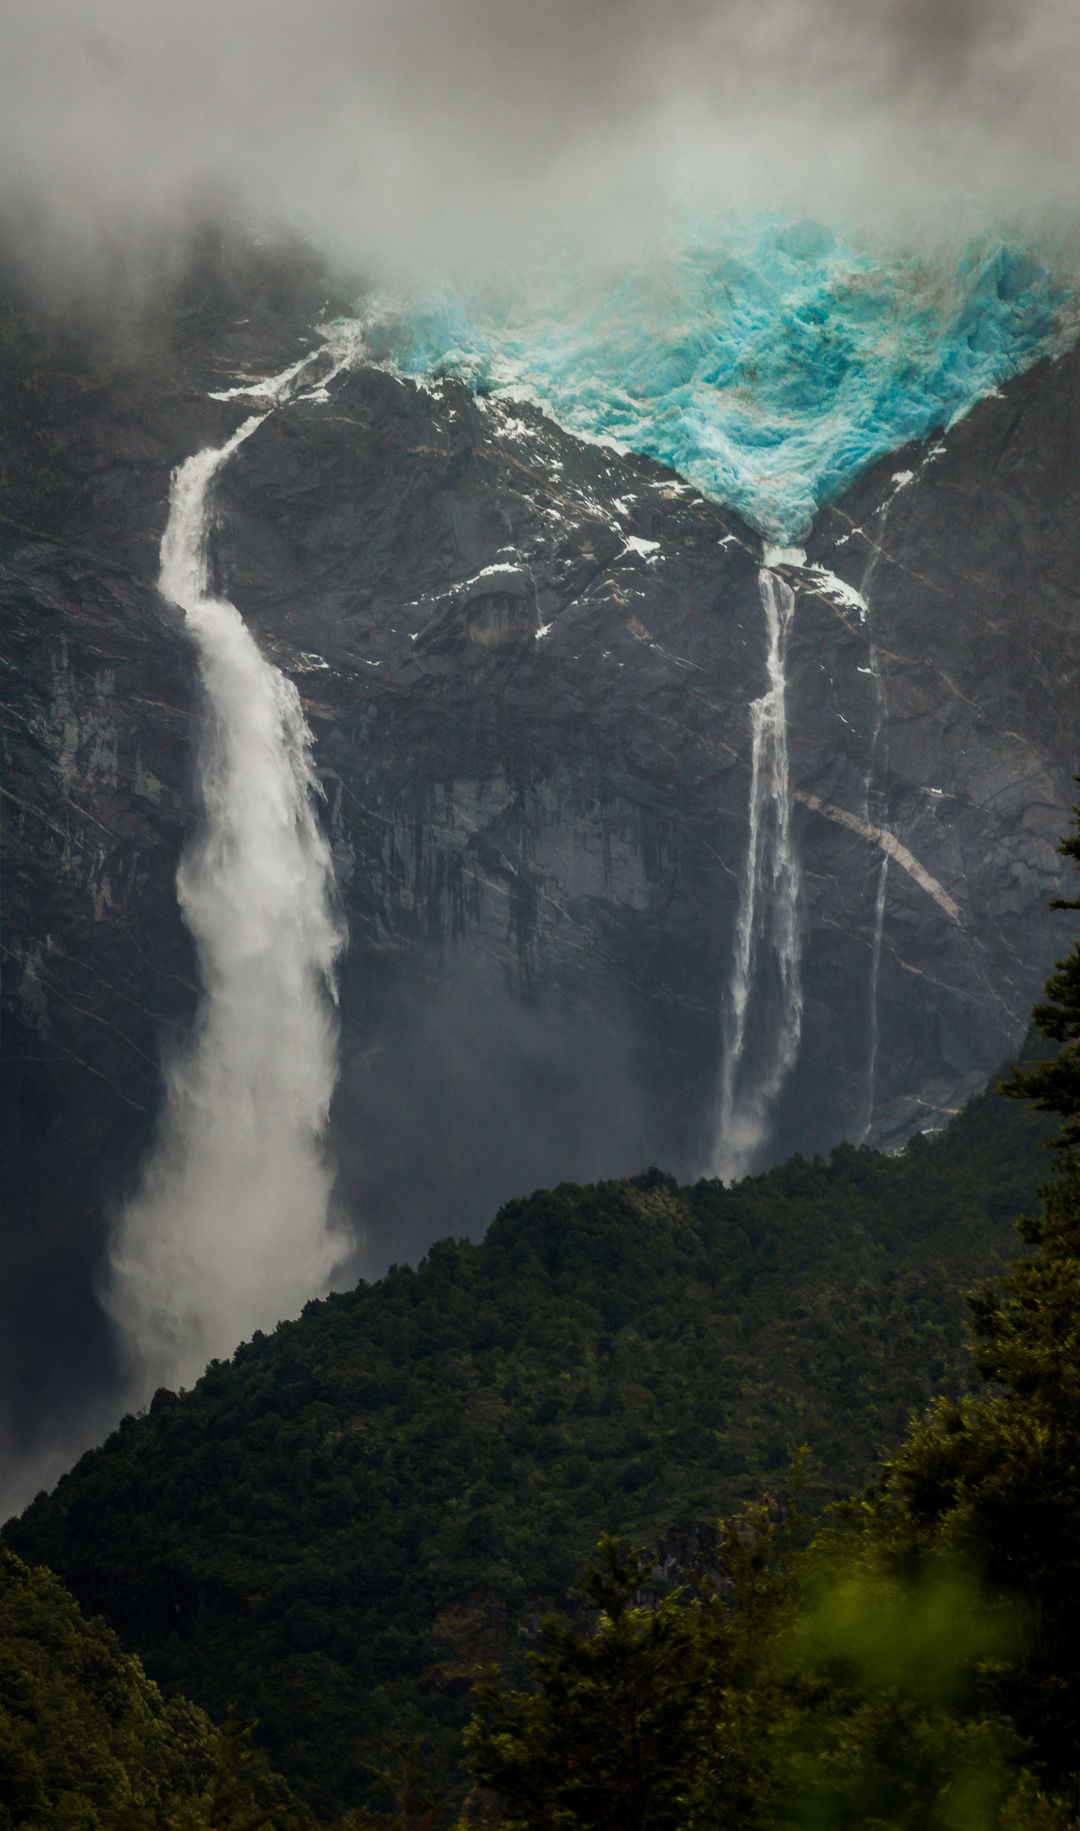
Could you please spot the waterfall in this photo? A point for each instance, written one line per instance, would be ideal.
(767, 915)
(875, 973)
(230, 1229)
(876, 764)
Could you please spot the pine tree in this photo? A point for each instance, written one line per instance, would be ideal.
(996, 1479)
(660, 1714)
(1054, 1086)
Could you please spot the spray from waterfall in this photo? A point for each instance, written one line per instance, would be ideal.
(767, 920)
(231, 1228)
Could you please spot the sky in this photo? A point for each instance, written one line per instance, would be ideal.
(408, 134)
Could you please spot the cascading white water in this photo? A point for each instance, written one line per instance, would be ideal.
(876, 762)
(231, 1228)
(768, 913)
(875, 974)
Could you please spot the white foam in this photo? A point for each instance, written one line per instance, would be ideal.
(230, 1230)
(767, 915)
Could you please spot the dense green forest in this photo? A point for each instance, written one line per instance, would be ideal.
(87, 1743)
(337, 1530)
(916, 1665)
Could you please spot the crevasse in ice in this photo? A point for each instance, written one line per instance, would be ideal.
(767, 362)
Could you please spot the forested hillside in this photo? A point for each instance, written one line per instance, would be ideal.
(336, 1530)
(915, 1665)
(539, 682)
(87, 1741)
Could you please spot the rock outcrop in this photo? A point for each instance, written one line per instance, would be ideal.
(527, 662)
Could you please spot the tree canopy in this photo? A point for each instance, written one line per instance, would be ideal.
(88, 1743)
(337, 1530)
(1053, 1085)
(916, 1665)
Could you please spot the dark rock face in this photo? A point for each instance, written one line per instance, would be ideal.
(524, 726)
(527, 663)
(97, 969)
(971, 572)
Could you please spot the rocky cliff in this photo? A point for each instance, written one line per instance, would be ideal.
(528, 663)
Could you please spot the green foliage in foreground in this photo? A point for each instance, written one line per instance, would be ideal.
(1053, 1085)
(826, 1689)
(918, 1666)
(995, 1480)
(656, 1716)
(336, 1531)
(87, 1743)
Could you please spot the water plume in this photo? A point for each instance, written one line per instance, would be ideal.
(231, 1227)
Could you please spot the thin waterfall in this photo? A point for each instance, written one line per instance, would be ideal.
(767, 921)
(875, 973)
(231, 1228)
(875, 815)
(876, 764)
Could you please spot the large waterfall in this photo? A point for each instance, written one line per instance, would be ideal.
(767, 921)
(769, 367)
(769, 363)
(232, 1228)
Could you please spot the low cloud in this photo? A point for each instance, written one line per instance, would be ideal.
(406, 134)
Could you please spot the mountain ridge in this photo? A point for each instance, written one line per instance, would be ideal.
(538, 806)
(337, 1528)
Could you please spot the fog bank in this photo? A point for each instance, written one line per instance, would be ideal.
(402, 134)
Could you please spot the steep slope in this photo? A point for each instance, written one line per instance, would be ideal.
(87, 1739)
(99, 725)
(770, 362)
(529, 664)
(968, 550)
(338, 1528)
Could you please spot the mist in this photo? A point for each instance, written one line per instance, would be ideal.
(232, 1228)
(408, 139)
(408, 135)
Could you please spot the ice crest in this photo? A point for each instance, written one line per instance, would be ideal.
(768, 363)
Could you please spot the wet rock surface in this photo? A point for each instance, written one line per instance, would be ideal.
(527, 663)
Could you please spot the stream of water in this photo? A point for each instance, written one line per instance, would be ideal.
(767, 920)
(231, 1229)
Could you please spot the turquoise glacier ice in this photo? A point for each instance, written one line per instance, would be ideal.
(767, 362)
